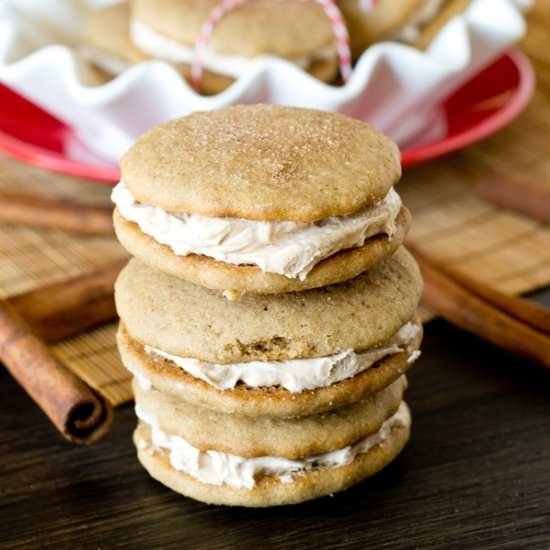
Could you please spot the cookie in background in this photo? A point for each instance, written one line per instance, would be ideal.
(273, 399)
(105, 40)
(297, 31)
(413, 22)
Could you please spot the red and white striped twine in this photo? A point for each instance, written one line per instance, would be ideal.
(331, 10)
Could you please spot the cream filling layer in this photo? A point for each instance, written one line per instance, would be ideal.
(411, 32)
(156, 45)
(108, 63)
(294, 375)
(218, 468)
(288, 248)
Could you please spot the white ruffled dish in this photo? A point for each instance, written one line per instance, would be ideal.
(394, 87)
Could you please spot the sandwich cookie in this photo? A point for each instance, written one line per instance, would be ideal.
(377, 20)
(221, 478)
(297, 31)
(105, 39)
(252, 437)
(261, 199)
(285, 355)
(414, 22)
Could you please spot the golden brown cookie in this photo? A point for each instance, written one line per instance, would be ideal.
(257, 436)
(262, 199)
(270, 490)
(368, 26)
(186, 320)
(414, 22)
(262, 163)
(298, 31)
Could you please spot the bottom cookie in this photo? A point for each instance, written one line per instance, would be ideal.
(325, 70)
(220, 478)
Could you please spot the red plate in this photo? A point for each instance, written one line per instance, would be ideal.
(481, 107)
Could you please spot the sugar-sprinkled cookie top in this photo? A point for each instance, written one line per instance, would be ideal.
(262, 163)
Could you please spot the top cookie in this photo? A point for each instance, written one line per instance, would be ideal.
(264, 163)
(261, 27)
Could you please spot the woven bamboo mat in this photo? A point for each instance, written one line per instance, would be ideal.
(507, 250)
(30, 258)
(495, 246)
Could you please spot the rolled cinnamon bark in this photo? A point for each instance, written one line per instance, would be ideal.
(69, 307)
(531, 313)
(468, 311)
(55, 213)
(79, 413)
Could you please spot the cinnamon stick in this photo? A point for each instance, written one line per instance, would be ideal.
(69, 307)
(79, 413)
(52, 213)
(520, 197)
(531, 313)
(471, 313)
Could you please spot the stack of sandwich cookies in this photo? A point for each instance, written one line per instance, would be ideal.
(292, 388)
(277, 391)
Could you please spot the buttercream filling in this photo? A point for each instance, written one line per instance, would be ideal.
(110, 64)
(159, 46)
(294, 375)
(288, 248)
(218, 468)
(411, 32)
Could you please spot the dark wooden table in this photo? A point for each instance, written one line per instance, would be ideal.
(476, 474)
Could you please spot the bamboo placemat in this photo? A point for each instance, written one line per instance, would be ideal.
(495, 246)
(30, 258)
